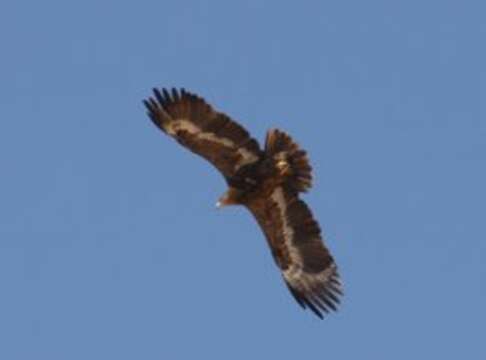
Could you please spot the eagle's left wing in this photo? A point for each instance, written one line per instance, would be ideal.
(206, 132)
(295, 239)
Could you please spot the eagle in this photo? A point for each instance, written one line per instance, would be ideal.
(266, 181)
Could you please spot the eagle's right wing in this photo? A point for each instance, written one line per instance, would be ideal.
(295, 239)
(198, 127)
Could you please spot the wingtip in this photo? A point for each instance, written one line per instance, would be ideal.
(170, 94)
(146, 103)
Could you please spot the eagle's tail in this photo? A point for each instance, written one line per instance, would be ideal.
(290, 160)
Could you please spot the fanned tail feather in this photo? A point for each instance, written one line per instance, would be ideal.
(285, 151)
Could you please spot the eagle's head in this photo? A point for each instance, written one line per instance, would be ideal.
(232, 196)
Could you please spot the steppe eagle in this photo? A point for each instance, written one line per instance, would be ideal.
(266, 181)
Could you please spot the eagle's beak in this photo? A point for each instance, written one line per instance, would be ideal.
(222, 202)
(228, 198)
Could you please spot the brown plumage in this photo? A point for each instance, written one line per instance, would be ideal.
(267, 182)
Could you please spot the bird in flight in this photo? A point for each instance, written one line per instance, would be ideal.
(266, 181)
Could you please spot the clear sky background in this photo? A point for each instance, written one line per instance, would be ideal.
(110, 245)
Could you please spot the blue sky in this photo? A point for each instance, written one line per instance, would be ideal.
(110, 246)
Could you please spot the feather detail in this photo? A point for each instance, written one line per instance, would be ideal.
(289, 159)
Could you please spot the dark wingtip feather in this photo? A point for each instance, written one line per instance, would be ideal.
(166, 95)
(175, 94)
(333, 297)
(147, 105)
(321, 299)
(159, 96)
(326, 300)
(314, 308)
(315, 304)
(295, 295)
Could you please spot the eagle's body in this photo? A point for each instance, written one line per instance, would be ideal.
(267, 182)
